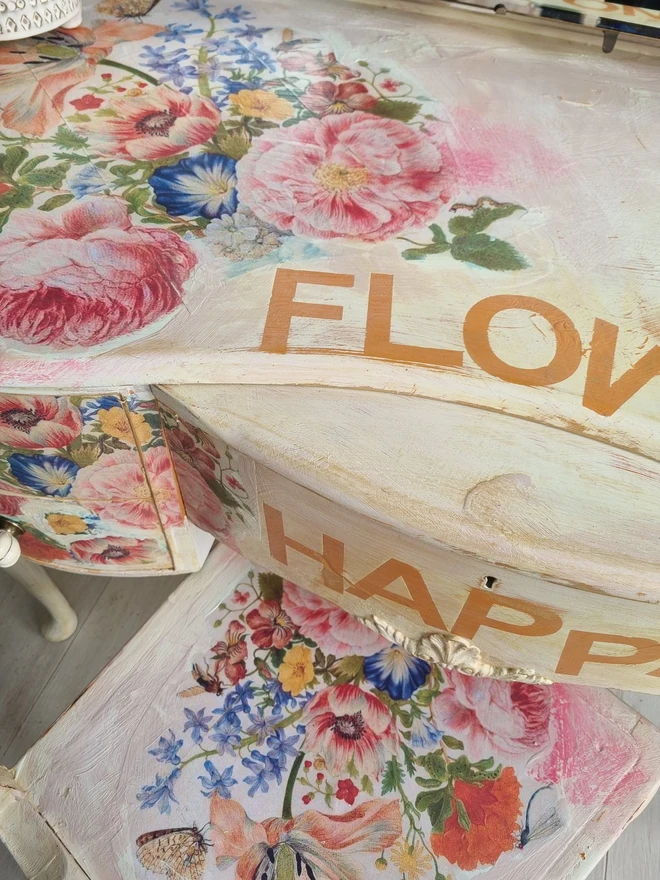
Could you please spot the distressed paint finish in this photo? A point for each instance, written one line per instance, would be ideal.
(87, 795)
(382, 530)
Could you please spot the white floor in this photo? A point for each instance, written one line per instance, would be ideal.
(39, 680)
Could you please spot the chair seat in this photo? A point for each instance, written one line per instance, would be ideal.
(253, 730)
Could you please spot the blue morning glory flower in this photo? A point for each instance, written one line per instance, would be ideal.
(249, 32)
(89, 409)
(397, 672)
(282, 746)
(262, 727)
(201, 6)
(217, 783)
(50, 474)
(160, 793)
(235, 14)
(263, 771)
(423, 735)
(86, 181)
(197, 723)
(239, 698)
(203, 185)
(226, 738)
(167, 750)
(178, 32)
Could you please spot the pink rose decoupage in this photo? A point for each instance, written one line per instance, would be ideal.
(135, 152)
(300, 749)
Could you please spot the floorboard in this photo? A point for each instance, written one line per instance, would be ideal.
(39, 680)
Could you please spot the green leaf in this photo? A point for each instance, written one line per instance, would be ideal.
(65, 137)
(106, 111)
(409, 757)
(137, 199)
(481, 218)
(277, 656)
(350, 670)
(56, 202)
(452, 743)
(423, 782)
(491, 253)
(435, 765)
(271, 586)
(79, 117)
(51, 177)
(32, 164)
(73, 158)
(367, 785)
(425, 696)
(420, 253)
(438, 234)
(404, 111)
(392, 778)
(18, 197)
(12, 158)
(463, 818)
(352, 769)
(235, 145)
(438, 804)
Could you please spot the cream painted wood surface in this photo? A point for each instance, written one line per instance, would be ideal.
(119, 608)
(408, 510)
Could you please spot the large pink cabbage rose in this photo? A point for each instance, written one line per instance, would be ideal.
(83, 274)
(508, 718)
(354, 175)
(38, 422)
(202, 504)
(334, 631)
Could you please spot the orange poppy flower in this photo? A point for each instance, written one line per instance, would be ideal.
(493, 809)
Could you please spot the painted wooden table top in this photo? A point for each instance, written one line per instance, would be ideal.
(417, 199)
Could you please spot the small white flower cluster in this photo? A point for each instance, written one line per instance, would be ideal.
(242, 236)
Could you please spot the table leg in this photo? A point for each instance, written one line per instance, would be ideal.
(36, 581)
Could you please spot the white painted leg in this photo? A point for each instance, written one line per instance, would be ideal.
(36, 581)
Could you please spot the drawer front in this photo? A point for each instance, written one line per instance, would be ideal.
(409, 589)
(90, 480)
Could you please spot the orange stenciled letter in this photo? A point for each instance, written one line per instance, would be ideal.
(577, 651)
(331, 556)
(601, 394)
(283, 306)
(376, 581)
(567, 354)
(474, 614)
(379, 325)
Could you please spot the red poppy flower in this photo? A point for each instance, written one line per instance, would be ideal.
(40, 551)
(493, 809)
(347, 791)
(232, 652)
(87, 102)
(328, 97)
(272, 627)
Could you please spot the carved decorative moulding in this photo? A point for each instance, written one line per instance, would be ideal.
(454, 653)
(27, 18)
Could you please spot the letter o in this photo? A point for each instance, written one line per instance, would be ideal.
(568, 351)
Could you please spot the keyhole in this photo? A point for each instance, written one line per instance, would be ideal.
(489, 582)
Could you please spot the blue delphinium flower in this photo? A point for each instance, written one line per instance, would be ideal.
(203, 185)
(281, 699)
(239, 698)
(281, 746)
(257, 58)
(198, 724)
(86, 181)
(171, 67)
(423, 735)
(264, 770)
(50, 474)
(160, 793)
(235, 14)
(167, 750)
(228, 715)
(178, 32)
(226, 737)
(201, 6)
(217, 783)
(261, 727)
(249, 32)
(396, 672)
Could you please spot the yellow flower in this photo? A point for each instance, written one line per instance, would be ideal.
(262, 104)
(381, 864)
(66, 523)
(413, 861)
(114, 422)
(319, 763)
(296, 670)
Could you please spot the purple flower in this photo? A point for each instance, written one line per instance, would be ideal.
(235, 14)
(167, 750)
(262, 727)
(239, 698)
(160, 793)
(226, 738)
(264, 770)
(178, 32)
(249, 32)
(198, 723)
(282, 746)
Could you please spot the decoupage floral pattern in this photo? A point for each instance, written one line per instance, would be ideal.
(306, 746)
(209, 133)
(72, 476)
(214, 493)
